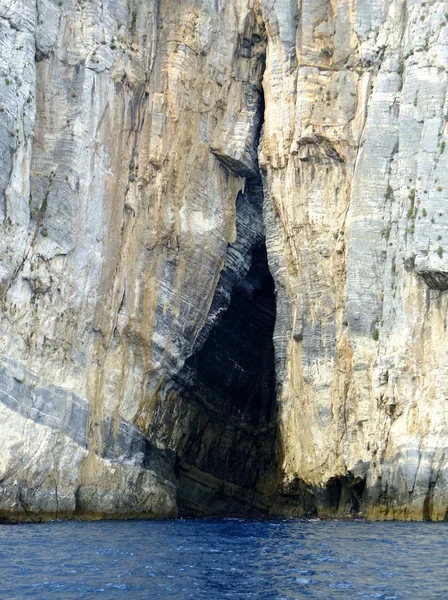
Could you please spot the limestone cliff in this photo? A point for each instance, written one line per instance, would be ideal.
(223, 258)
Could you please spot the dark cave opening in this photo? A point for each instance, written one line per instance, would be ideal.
(227, 465)
(236, 364)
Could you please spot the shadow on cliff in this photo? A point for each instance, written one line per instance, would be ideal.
(227, 465)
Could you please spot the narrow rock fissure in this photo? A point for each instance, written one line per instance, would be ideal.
(227, 454)
(237, 361)
(227, 462)
(227, 465)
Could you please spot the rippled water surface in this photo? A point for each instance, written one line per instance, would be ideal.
(231, 558)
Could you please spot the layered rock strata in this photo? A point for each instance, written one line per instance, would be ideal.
(223, 269)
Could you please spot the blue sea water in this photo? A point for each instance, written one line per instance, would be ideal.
(220, 559)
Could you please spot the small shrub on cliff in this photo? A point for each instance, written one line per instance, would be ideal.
(440, 251)
(442, 147)
(386, 232)
(376, 334)
(389, 195)
(134, 21)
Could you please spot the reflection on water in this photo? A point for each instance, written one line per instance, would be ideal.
(230, 558)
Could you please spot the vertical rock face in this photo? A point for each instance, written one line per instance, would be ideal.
(223, 269)
(355, 171)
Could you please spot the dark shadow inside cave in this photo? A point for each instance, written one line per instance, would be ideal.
(227, 466)
(236, 364)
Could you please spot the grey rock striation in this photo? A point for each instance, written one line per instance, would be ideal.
(223, 258)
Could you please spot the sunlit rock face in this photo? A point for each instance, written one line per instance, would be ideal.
(223, 258)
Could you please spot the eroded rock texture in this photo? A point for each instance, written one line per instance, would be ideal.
(223, 258)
